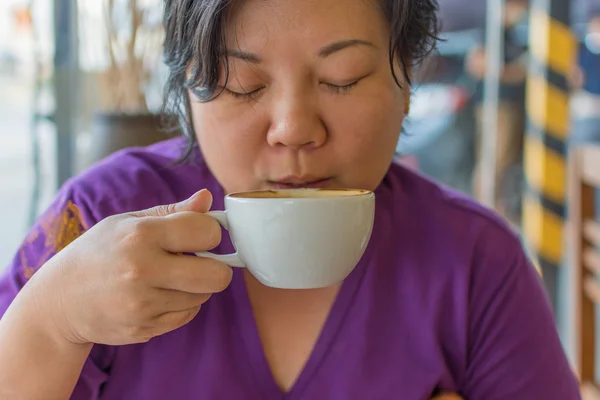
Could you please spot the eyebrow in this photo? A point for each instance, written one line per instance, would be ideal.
(323, 52)
(344, 44)
(244, 56)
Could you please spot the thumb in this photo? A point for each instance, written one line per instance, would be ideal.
(199, 202)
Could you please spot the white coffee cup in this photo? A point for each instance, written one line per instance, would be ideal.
(297, 238)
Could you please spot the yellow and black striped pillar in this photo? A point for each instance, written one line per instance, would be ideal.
(553, 53)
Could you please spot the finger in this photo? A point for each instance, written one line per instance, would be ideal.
(199, 202)
(192, 274)
(173, 320)
(175, 301)
(185, 232)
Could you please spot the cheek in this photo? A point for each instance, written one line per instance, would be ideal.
(231, 144)
(368, 124)
(230, 129)
(365, 132)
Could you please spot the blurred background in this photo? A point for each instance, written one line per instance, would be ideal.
(513, 86)
(79, 79)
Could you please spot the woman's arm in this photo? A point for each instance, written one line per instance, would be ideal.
(32, 354)
(37, 362)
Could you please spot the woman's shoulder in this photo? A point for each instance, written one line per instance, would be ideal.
(451, 222)
(478, 298)
(139, 178)
(435, 201)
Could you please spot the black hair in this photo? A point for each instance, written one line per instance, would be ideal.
(195, 42)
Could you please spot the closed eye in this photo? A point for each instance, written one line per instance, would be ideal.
(244, 95)
(340, 89)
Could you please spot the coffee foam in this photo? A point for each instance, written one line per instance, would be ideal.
(300, 193)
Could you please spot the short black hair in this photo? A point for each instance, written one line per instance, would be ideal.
(195, 41)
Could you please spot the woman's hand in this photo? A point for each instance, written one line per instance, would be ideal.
(590, 392)
(475, 63)
(126, 281)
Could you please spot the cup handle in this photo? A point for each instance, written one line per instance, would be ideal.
(233, 260)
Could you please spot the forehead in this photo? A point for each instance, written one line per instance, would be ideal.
(267, 23)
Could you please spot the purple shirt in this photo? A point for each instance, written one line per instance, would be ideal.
(444, 298)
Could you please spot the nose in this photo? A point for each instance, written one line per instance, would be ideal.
(296, 124)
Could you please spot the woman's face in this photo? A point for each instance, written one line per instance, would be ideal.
(310, 100)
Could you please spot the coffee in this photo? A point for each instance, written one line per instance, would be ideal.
(299, 193)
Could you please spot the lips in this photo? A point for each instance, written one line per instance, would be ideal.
(300, 183)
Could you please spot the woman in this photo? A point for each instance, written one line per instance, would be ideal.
(276, 94)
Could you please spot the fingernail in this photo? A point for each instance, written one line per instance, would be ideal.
(190, 199)
(195, 196)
